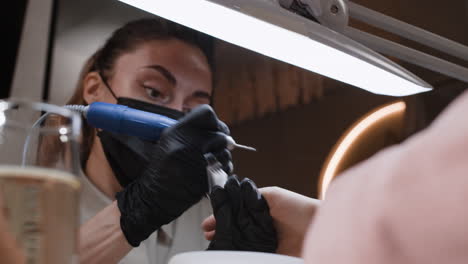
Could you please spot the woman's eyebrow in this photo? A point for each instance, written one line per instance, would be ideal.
(165, 72)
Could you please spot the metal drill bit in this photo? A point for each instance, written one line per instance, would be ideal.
(244, 147)
(231, 144)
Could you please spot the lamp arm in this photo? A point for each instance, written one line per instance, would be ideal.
(330, 13)
(408, 54)
(335, 15)
(408, 31)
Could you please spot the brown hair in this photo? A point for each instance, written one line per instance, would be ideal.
(125, 40)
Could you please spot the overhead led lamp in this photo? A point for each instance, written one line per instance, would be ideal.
(286, 30)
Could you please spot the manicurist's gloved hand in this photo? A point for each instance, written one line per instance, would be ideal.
(243, 220)
(176, 177)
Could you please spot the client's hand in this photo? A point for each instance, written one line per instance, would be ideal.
(291, 213)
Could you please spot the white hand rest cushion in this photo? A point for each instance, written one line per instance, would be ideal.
(232, 257)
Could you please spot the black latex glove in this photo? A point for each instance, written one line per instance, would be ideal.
(243, 220)
(176, 178)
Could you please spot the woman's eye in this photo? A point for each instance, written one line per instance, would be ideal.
(152, 92)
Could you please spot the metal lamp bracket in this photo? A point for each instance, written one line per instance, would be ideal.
(332, 14)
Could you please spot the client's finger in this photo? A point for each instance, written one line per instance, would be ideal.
(209, 235)
(209, 224)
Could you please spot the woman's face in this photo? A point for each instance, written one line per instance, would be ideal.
(169, 73)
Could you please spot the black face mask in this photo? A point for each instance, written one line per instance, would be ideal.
(128, 156)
